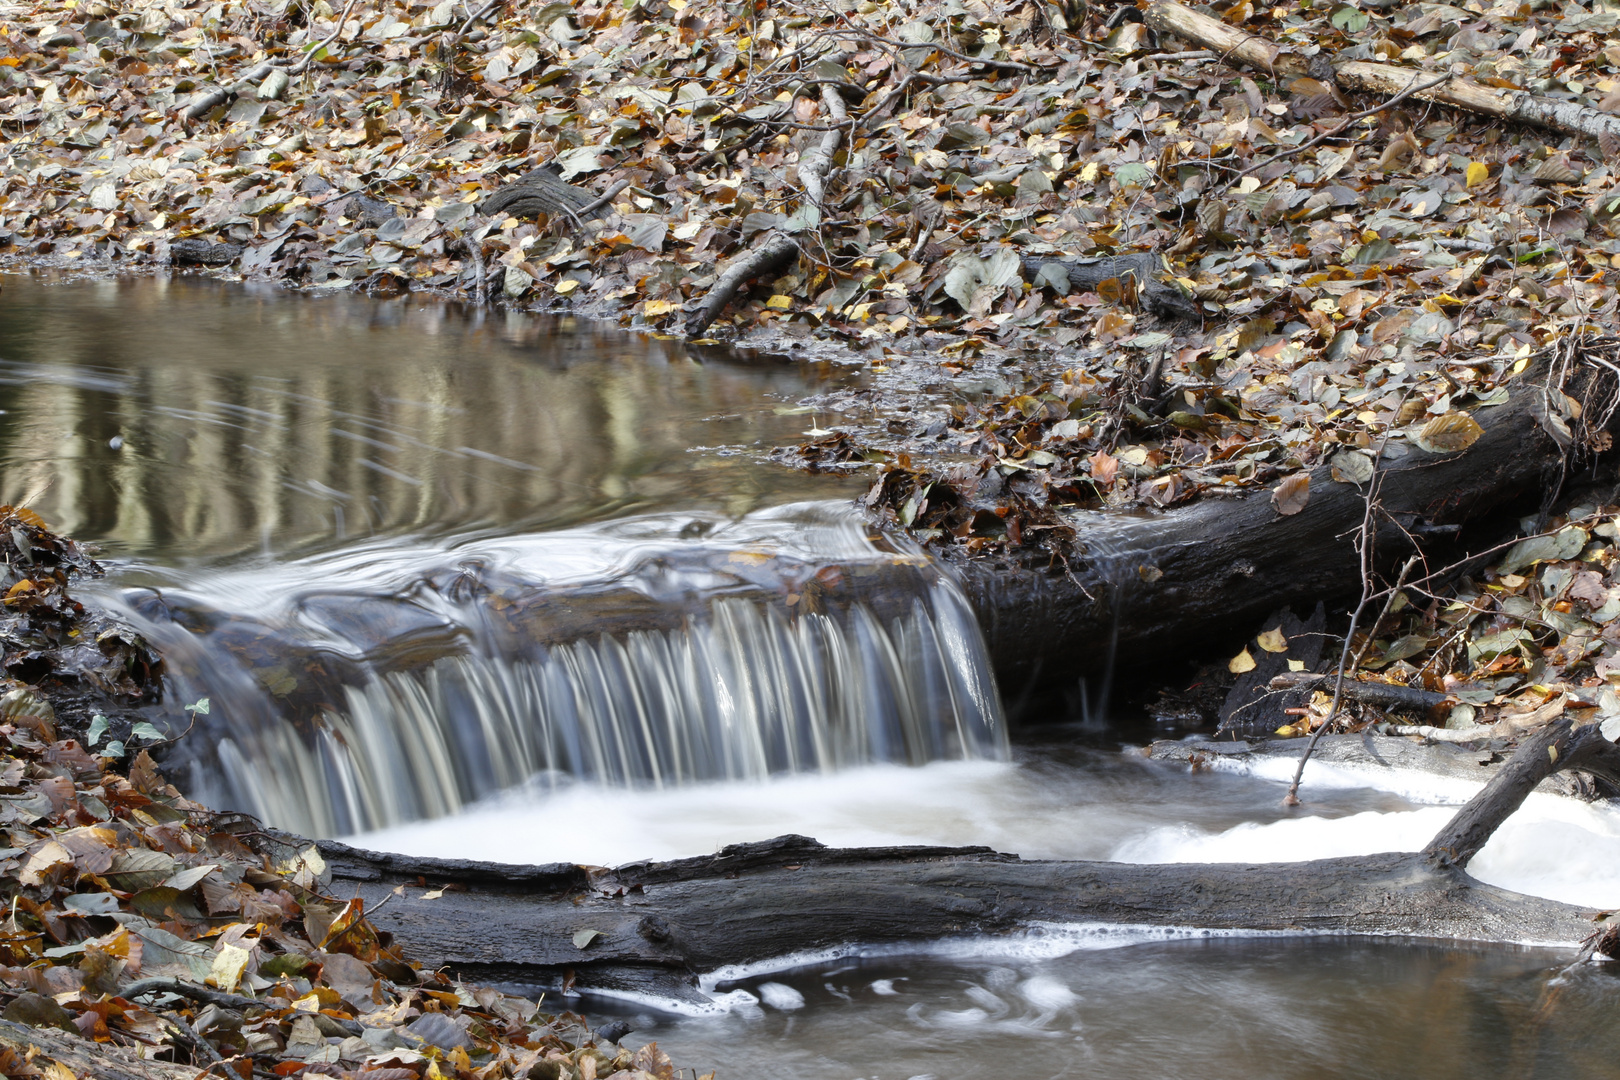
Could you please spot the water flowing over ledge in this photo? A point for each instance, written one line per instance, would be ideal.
(396, 682)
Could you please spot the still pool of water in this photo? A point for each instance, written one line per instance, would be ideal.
(340, 512)
(178, 421)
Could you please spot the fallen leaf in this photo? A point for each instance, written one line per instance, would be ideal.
(1291, 494)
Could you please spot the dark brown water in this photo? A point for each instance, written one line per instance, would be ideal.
(184, 420)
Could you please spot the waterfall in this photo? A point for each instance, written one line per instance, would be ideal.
(394, 685)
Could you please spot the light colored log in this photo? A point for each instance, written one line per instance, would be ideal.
(1240, 48)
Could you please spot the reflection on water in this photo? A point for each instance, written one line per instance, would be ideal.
(1214, 1009)
(184, 419)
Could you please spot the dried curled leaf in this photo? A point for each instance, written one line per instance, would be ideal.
(1291, 494)
(1449, 433)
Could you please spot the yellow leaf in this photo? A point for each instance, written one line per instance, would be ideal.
(1478, 173)
(1296, 665)
(566, 286)
(1286, 731)
(659, 307)
(1240, 663)
(1089, 174)
(229, 963)
(780, 303)
(1273, 641)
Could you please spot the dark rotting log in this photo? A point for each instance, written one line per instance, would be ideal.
(540, 191)
(195, 251)
(1385, 695)
(1141, 267)
(657, 925)
(1153, 581)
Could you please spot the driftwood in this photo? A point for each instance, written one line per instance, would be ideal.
(198, 252)
(1142, 267)
(1385, 695)
(81, 1057)
(657, 925)
(1142, 584)
(1236, 46)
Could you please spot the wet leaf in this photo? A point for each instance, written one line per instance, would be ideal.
(583, 938)
(1241, 663)
(1273, 641)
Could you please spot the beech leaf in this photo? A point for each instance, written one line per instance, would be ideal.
(1291, 494)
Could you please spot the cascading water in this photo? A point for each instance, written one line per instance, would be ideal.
(380, 687)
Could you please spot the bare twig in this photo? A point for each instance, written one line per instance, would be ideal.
(304, 61)
(1344, 123)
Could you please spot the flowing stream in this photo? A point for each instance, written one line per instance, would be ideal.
(525, 590)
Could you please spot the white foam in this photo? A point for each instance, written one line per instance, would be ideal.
(1553, 847)
(780, 996)
(1321, 775)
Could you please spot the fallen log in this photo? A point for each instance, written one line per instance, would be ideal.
(38, 1047)
(1151, 581)
(652, 928)
(1248, 50)
(1084, 275)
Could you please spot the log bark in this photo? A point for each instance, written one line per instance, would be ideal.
(1152, 581)
(658, 925)
(1386, 695)
(84, 1058)
(541, 191)
(1084, 275)
(1246, 49)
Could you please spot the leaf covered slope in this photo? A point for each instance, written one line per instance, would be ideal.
(931, 172)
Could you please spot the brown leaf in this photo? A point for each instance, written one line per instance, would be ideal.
(1292, 493)
(1449, 433)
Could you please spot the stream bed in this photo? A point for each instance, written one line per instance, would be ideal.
(491, 586)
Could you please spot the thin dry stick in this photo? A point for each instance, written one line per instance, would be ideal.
(600, 201)
(1361, 654)
(304, 61)
(1343, 124)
